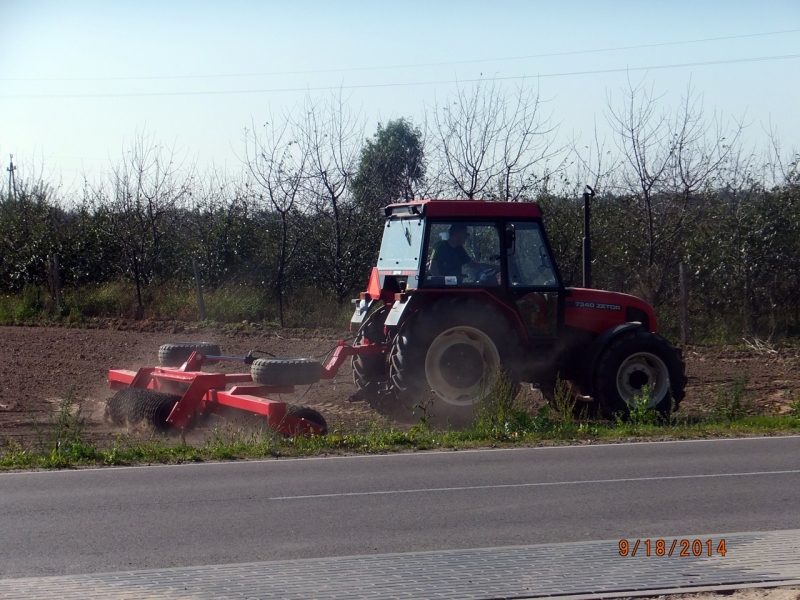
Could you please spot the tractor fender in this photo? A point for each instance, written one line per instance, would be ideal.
(407, 304)
(361, 311)
(397, 312)
(596, 349)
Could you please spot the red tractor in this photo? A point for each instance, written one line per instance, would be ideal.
(465, 288)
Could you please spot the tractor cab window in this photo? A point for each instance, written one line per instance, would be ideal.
(463, 254)
(402, 242)
(529, 263)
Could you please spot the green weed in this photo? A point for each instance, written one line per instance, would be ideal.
(421, 411)
(642, 413)
(794, 406)
(732, 402)
(501, 414)
(564, 402)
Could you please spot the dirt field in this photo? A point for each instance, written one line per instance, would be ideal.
(39, 366)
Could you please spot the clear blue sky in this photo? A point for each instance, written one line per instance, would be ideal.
(70, 72)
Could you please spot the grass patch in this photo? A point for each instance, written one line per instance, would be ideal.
(732, 401)
(500, 422)
(532, 431)
(233, 303)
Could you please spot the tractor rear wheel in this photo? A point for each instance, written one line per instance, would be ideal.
(451, 354)
(371, 373)
(632, 361)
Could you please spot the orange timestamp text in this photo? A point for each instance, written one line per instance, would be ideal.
(676, 548)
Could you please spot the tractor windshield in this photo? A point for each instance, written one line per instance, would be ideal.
(401, 245)
(463, 253)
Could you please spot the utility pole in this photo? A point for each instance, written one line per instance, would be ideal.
(588, 194)
(11, 168)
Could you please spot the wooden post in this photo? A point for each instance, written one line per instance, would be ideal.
(200, 302)
(57, 280)
(684, 304)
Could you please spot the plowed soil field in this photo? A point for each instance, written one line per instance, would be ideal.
(39, 366)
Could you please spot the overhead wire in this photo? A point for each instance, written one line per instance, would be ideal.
(407, 66)
(399, 84)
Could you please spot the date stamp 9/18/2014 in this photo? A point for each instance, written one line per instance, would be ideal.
(676, 548)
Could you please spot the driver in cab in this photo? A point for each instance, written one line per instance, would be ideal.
(449, 256)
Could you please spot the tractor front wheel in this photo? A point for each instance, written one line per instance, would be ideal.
(445, 359)
(636, 360)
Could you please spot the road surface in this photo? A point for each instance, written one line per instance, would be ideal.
(114, 519)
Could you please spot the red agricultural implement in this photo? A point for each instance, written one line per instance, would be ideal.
(179, 394)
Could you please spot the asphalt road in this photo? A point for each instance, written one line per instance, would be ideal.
(114, 519)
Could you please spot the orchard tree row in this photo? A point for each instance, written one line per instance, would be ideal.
(675, 185)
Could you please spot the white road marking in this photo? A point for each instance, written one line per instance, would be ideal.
(528, 485)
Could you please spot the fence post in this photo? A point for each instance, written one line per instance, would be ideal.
(57, 280)
(684, 304)
(200, 302)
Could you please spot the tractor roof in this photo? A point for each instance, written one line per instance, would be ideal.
(466, 208)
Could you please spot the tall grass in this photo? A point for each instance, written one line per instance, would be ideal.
(503, 421)
(234, 303)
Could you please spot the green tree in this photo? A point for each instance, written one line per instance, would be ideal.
(392, 165)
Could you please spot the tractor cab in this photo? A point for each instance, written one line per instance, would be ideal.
(466, 288)
(496, 248)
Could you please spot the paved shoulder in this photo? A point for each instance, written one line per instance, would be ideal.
(594, 569)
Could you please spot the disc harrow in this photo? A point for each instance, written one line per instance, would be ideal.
(170, 397)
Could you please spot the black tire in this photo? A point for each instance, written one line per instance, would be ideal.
(371, 373)
(285, 371)
(177, 353)
(135, 405)
(461, 341)
(633, 360)
(309, 414)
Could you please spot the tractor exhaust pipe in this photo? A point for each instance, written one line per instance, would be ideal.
(588, 194)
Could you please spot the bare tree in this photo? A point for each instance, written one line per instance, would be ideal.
(278, 165)
(139, 209)
(331, 136)
(490, 143)
(667, 159)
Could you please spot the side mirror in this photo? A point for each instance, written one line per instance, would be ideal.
(511, 239)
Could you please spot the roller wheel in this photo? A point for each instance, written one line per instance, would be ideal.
(309, 414)
(371, 373)
(117, 407)
(285, 371)
(630, 362)
(450, 353)
(135, 405)
(177, 353)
